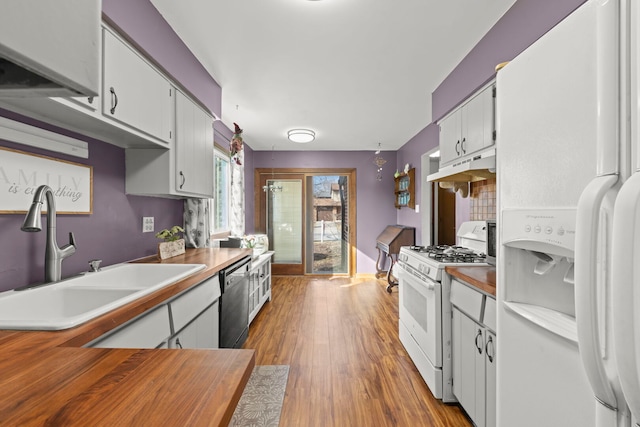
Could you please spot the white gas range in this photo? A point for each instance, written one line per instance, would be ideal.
(424, 305)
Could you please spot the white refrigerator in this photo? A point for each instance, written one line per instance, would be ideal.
(562, 157)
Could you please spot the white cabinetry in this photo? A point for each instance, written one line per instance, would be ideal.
(186, 170)
(150, 330)
(474, 353)
(195, 316)
(194, 148)
(133, 92)
(259, 283)
(189, 320)
(469, 128)
(135, 108)
(202, 332)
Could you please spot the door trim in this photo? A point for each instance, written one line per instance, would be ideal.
(259, 216)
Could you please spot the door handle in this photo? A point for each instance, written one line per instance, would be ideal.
(479, 337)
(114, 100)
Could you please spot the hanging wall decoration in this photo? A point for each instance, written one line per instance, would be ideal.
(235, 146)
(21, 173)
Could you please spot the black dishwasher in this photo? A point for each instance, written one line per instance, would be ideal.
(234, 304)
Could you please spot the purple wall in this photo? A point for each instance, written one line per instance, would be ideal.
(525, 22)
(519, 27)
(144, 25)
(374, 199)
(411, 153)
(112, 233)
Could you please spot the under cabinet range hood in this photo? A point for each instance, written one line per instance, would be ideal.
(50, 48)
(478, 167)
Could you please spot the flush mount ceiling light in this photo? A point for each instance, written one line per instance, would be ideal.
(301, 136)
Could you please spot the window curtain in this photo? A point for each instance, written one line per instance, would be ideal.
(236, 211)
(197, 232)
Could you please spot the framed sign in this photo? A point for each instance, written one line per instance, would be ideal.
(22, 173)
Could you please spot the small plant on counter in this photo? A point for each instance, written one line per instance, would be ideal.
(170, 234)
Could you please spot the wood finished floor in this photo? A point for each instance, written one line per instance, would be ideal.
(347, 366)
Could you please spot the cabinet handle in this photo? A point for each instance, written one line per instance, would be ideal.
(464, 151)
(90, 100)
(114, 100)
(479, 345)
(178, 343)
(184, 179)
(457, 145)
(486, 349)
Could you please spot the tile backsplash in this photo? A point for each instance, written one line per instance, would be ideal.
(483, 200)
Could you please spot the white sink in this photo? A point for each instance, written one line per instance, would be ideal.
(72, 302)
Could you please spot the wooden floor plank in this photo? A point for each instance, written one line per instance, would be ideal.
(347, 365)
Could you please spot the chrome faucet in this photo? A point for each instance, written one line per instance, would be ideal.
(53, 255)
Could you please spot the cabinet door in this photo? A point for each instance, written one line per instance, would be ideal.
(254, 293)
(194, 148)
(133, 92)
(464, 360)
(147, 331)
(468, 365)
(450, 129)
(477, 122)
(202, 332)
(490, 389)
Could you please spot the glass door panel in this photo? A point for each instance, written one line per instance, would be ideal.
(284, 220)
(327, 222)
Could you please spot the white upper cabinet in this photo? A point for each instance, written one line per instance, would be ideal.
(133, 92)
(194, 148)
(135, 108)
(50, 48)
(468, 129)
(185, 170)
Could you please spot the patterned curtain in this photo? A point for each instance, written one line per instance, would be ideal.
(197, 231)
(236, 210)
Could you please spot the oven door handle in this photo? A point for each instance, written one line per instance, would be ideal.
(428, 283)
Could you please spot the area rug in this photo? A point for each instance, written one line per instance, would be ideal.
(261, 401)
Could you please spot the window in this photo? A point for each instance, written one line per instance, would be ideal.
(221, 203)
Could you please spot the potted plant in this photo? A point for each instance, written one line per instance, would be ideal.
(173, 244)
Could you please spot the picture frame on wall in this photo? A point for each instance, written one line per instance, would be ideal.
(21, 173)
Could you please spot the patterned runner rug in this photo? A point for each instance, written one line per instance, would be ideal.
(262, 398)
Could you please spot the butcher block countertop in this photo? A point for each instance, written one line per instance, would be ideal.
(47, 378)
(481, 277)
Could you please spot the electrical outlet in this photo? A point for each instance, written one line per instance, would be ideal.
(147, 224)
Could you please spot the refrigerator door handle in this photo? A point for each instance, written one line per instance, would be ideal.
(625, 295)
(586, 286)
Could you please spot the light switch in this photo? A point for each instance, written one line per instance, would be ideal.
(417, 208)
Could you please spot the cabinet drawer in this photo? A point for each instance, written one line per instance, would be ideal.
(191, 303)
(490, 314)
(466, 299)
(149, 331)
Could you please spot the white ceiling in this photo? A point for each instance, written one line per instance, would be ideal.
(358, 72)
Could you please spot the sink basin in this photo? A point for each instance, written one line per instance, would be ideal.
(72, 302)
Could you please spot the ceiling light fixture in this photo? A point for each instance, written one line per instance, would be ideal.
(301, 136)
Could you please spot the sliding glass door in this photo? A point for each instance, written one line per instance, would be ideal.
(307, 216)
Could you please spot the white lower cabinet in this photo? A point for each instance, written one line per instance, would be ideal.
(186, 169)
(202, 332)
(474, 353)
(189, 320)
(259, 283)
(149, 330)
